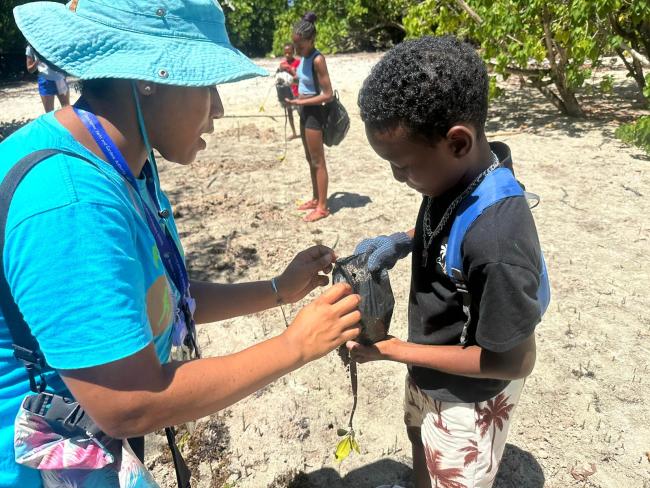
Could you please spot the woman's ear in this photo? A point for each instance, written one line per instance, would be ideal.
(461, 140)
(146, 88)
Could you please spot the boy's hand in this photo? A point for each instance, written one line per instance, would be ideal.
(379, 350)
(304, 273)
(386, 250)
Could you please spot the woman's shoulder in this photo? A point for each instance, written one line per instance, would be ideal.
(318, 57)
(76, 176)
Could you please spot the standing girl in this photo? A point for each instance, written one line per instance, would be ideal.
(314, 91)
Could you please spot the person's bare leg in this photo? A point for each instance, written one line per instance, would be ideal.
(48, 102)
(314, 138)
(64, 98)
(312, 170)
(421, 476)
(293, 126)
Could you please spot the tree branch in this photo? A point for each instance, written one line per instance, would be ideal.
(548, 39)
(636, 55)
(627, 64)
(395, 25)
(462, 4)
(534, 73)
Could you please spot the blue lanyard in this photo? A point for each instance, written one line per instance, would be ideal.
(167, 248)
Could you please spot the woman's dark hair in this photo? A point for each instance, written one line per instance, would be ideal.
(426, 86)
(306, 27)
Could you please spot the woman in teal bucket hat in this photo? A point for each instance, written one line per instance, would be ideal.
(95, 296)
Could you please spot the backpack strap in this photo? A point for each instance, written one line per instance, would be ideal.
(496, 186)
(26, 348)
(65, 412)
(315, 75)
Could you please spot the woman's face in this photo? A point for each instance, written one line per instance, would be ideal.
(303, 46)
(177, 117)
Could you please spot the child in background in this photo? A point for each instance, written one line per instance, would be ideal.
(51, 81)
(424, 106)
(289, 65)
(314, 91)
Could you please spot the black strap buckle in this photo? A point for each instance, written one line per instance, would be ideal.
(35, 365)
(61, 411)
(29, 357)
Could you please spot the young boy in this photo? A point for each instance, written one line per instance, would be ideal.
(289, 65)
(424, 106)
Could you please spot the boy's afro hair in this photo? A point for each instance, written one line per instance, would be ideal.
(426, 86)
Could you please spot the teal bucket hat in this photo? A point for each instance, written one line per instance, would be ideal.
(174, 42)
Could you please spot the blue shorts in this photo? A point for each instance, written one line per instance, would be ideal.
(51, 87)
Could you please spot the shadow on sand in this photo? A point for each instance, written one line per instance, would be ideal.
(519, 469)
(343, 199)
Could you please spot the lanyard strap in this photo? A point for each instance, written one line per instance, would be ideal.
(169, 252)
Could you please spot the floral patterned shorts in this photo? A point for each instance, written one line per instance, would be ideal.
(463, 442)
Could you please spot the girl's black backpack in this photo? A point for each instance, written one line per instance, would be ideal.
(337, 122)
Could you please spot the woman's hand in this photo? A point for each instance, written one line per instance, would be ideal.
(379, 350)
(326, 323)
(303, 273)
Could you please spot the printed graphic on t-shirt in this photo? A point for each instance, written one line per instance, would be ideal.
(159, 299)
(442, 258)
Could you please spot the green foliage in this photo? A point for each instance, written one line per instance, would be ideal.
(607, 84)
(627, 23)
(346, 25)
(553, 45)
(636, 133)
(12, 43)
(251, 24)
(494, 91)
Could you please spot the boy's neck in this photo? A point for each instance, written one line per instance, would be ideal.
(478, 161)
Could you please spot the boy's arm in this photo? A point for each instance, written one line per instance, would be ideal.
(472, 361)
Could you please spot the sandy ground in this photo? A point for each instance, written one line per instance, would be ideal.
(586, 406)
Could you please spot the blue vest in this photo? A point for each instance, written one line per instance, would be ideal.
(305, 72)
(497, 185)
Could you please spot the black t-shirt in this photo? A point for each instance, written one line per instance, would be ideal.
(501, 261)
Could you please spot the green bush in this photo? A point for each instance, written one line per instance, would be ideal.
(251, 24)
(637, 133)
(552, 45)
(349, 25)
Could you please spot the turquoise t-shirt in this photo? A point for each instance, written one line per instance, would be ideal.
(83, 268)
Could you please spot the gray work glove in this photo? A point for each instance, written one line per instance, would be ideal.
(386, 250)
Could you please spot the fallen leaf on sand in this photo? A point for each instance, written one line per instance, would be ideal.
(583, 474)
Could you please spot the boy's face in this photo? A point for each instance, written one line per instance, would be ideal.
(428, 169)
(288, 51)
